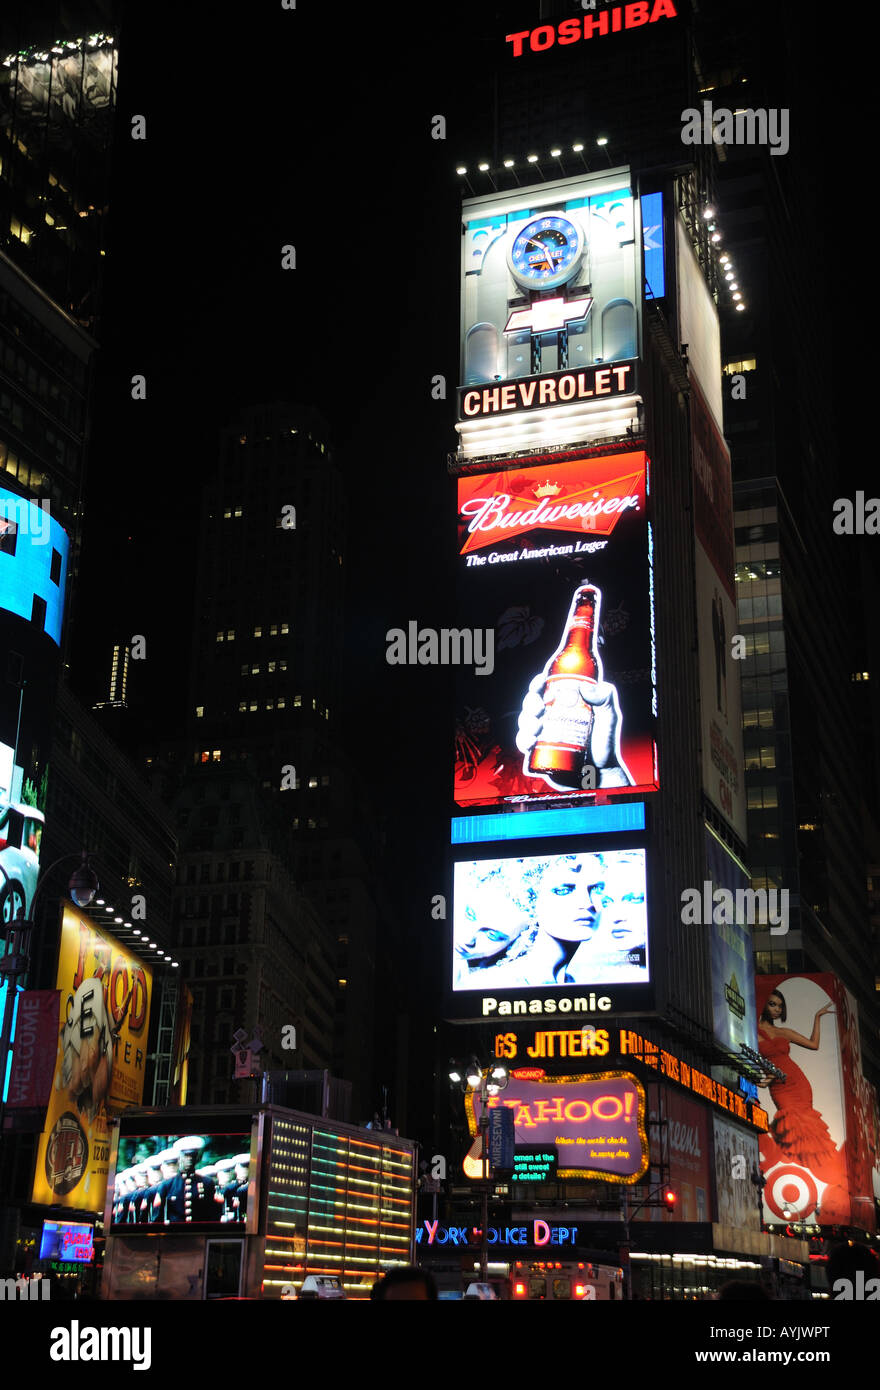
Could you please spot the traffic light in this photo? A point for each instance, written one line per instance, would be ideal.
(669, 1198)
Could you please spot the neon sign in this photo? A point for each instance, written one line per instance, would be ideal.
(591, 26)
(596, 1123)
(541, 1233)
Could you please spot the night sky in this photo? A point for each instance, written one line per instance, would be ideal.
(310, 127)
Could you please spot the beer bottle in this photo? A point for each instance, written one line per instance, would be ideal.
(561, 750)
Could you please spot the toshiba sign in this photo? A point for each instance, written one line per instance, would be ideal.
(610, 21)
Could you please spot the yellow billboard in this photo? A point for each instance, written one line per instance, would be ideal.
(103, 1023)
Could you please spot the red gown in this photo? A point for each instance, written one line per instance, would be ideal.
(800, 1134)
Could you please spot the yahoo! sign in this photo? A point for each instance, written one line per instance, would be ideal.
(610, 21)
(597, 1121)
(536, 1233)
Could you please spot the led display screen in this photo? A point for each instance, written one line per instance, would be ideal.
(67, 1240)
(167, 1180)
(555, 565)
(550, 920)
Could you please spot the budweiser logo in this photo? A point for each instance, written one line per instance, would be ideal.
(584, 508)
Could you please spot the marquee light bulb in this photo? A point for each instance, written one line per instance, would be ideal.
(532, 158)
(740, 306)
(602, 140)
(708, 212)
(461, 169)
(577, 148)
(508, 163)
(554, 154)
(483, 168)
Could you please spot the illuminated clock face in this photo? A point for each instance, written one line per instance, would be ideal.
(546, 252)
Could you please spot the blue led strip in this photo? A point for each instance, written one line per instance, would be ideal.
(533, 825)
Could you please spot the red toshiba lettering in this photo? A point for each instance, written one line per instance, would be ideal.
(663, 9)
(637, 14)
(569, 31)
(535, 38)
(517, 41)
(597, 25)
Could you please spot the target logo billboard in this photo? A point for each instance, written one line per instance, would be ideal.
(793, 1194)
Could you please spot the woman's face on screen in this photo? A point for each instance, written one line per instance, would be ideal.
(491, 920)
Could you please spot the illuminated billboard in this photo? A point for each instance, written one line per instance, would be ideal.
(34, 552)
(551, 288)
(678, 1137)
(730, 954)
(164, 1180)
(551, 920)
(596, 1122)
(103, 1024)
(73, 1241)
(558, 563)
(717, 626)
(819, 1157)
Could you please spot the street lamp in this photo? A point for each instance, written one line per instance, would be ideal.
(489, 1081)
(83, 886)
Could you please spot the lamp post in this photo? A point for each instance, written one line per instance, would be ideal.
(490, 1081)
(82, 886)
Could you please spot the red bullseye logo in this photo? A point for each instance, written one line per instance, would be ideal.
(793, 1190)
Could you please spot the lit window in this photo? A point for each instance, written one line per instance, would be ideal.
(297, 701)
(284, 629)
(252, 706)
(313, 781)
(273, 630)
(342, 983)
(282, 666)
(242, 439)
(314, 704)
(205, 755)
(271, 668)
(228, 513)
(230, 634)
(242, 706)
(281, 703)
(220, 636)
(215, 756)
(200, 711)
(270, 704)
(258, 632)
(255, 670)
(237, 512)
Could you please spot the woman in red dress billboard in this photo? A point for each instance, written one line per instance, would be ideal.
(798, 1133)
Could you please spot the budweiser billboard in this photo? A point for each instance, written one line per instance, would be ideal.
(33, 1057)
(559, 562)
